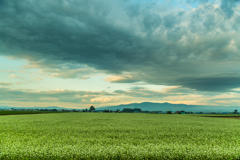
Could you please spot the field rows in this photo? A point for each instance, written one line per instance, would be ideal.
(118, 136)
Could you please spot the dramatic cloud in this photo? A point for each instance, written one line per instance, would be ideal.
(212, 83)
(197, 48)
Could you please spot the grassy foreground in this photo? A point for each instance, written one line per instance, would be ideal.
(118, 136)
(5, 112)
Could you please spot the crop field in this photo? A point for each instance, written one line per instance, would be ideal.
(118, 136)
(6, 112)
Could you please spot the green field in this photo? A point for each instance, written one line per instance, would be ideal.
(6, 112)
(118, 136)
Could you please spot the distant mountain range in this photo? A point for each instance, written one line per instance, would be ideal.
(149, 106)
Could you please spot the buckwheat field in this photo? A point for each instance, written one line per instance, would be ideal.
(118, 136)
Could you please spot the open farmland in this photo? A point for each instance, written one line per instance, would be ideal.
(5, 112)
(118, 136)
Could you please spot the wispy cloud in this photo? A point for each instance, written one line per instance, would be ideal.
(15, 76)
(5, 84)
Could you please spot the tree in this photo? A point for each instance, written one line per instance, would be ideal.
(92, 108)
(169, 112)
(235, 111)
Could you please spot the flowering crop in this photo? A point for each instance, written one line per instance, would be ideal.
(118, 136)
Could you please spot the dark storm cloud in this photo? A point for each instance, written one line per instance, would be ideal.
(145, 40)
(211, 83)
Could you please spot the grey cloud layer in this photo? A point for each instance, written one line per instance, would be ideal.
(76, 97)
(7, 94)
(85, 98)
(197, 48)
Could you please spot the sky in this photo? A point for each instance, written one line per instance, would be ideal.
(78, 53)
